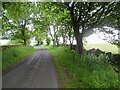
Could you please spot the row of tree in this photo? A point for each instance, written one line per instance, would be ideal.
(67, 20)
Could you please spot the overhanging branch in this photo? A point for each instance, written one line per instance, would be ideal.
(94, 14)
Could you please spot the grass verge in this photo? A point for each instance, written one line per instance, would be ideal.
(85, 71)
(13, 55)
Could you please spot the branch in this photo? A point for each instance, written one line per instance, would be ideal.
(94, 14)
(99, 16)
(103, 12)
(89, 7)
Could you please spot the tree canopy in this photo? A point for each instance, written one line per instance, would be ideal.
(56, 20)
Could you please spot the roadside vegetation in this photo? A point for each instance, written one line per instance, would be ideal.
(59, 24)
(13, 55)
(84, 71)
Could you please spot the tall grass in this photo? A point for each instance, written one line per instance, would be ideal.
(85, 71)
(13, 55)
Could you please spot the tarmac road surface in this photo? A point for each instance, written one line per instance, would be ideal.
(36, 71)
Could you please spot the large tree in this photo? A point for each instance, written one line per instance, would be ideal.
(82, 16)
(85, 14)
(17, 15)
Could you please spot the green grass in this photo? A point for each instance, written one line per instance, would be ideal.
(105, 47)
(13, 55)
(86, 71)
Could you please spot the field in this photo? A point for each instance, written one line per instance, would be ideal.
(104, 47)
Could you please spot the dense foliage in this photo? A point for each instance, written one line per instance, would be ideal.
(67, 20)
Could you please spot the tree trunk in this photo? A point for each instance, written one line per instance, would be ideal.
(71, 45)
(63, 40)
(38, 42)
(52, 36)
(78, 37)
(57, 41)
(56, 36)
(63, 36)
(54, 44)
(70, 41)
(23, 33)
(24, 43)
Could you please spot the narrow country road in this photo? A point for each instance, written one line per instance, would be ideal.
(36, 71)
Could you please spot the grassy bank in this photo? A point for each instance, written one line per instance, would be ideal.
(13, 55)
(86, 71)
(104, 47)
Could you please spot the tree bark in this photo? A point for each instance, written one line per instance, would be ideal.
(54, 44)
(24, 43)
(38, 42)
(56, 36)
(57, 41)
(70, 37)
(52, 36)
(78, 37)
(54, 29)
(76, 25)
(71, 45)
(23, 33)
